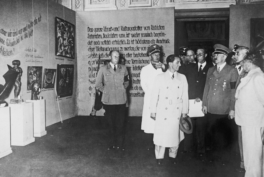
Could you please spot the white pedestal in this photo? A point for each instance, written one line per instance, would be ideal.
(21, 124)
(39, 112)
(5, 147)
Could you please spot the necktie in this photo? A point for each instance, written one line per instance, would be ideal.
(218, 69)
(239, 68)
(114, 67)
(200, 69)
(172, 77)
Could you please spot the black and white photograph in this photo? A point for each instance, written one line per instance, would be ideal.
(132, 88)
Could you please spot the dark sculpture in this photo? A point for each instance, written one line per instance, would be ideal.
(16, 64)
(35, 91)
(10, 78)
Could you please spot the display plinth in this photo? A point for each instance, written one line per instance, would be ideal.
(39, 112)
(5, 144)
(21, 124)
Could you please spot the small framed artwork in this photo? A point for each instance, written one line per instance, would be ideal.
(134, 3)
(49, 78)
(65, 38)
(65, 80)
(34, 74)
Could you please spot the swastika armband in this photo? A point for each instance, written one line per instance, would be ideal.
(232, 85)
(126, 78)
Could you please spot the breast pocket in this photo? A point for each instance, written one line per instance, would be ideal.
(108, 77)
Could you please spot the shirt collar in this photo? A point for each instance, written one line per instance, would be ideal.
(112, 65)
(203, 64)
(221, 66)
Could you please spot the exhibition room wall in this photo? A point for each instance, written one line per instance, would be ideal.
(130, 32)
(240, 23)
(27, 33)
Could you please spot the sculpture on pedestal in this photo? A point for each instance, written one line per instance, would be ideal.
(17, 68)
(10, 78)
(35, 91)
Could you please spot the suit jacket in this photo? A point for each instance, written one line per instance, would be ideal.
(250, 100)
(113, 84)
(196, 80)
(219, 91)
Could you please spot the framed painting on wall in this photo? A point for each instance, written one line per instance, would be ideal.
(64, 38)
(133, 3)
(34, 74)
(49, 78)
(65, 80)
(257, 34)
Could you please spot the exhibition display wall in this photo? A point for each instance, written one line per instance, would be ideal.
(129, 31)
(29, 33)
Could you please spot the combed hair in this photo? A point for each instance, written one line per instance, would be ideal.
(253, 59)
(170, 59)
(110, 53)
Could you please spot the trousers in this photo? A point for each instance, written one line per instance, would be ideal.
(115, 115)
(160, 151)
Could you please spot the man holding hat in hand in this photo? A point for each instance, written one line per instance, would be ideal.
(168, 105)
(147, 77)
(219, 97)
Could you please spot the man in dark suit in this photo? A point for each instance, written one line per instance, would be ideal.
(219, 98)
(196, 77)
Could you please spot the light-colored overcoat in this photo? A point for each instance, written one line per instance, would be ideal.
(249, 106)
(147, 78)
(169, 101)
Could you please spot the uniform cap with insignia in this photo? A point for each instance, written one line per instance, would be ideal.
(183, 50)
(221, 49)
(153, 49)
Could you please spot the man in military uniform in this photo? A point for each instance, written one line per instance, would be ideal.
(182, 55)
(147, 78)
(112, 80)
(218, 97)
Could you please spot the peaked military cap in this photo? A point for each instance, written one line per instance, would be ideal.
(153, 49)
(221, 49)
(183, 50)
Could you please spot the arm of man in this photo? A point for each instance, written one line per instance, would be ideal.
(143, 79)
(126, 79)
(259, 87)
(155, 97)
(206, 90)
(233, 80)
(185, 98)
(99, 84)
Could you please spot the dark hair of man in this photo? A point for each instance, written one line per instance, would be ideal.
(253, 59)
(202, 48)
(170, 59)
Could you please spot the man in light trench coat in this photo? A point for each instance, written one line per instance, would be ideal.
(147, 77)
(169, 102)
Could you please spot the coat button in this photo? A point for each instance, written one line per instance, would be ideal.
(197, 81)
(214, 93)
(177, 108)
(177, 97)
(167, 87)
(165, 119)
(178, 87)
(166, 97)
(166, 108)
